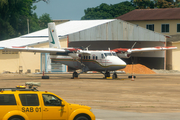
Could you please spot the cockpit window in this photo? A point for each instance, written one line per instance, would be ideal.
(114, 54)
(107, 54)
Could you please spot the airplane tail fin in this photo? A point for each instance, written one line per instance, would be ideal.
(53, 38)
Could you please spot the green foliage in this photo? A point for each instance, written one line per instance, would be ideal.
(146, 4)
(143, 4)
(105, 11)
(14, 15)
(44, 20)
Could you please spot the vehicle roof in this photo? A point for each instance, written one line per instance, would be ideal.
(13, 90)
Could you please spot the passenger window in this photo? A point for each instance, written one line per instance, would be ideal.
(93, 57)
(84, 57)
(29, 99)
(89, 57)
(7, 99)
(51, 100)
(96, 57)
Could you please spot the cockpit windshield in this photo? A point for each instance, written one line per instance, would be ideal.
(110, 54)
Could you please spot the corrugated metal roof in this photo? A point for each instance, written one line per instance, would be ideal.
(22, 41)
(118, 30)
(152, 14)
(62, 30)
(70, 27)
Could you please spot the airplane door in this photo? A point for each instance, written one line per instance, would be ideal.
(103, 60)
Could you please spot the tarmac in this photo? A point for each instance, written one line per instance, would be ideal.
(148, 97)
(121, 115)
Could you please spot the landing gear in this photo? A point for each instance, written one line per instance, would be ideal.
(114, 76)
(107, 74)
(75, 75)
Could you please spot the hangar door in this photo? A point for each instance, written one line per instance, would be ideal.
(49, 65)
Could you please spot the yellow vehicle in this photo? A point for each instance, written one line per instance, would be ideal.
(30, 104)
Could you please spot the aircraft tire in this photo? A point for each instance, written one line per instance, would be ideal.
(107, 74)
(75, 74)
(45, 77)
(114, 76)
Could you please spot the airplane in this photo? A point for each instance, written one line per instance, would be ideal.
(102, 61)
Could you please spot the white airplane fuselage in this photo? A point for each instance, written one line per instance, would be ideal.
(95, 61)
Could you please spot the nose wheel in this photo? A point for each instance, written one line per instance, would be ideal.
(114, 76)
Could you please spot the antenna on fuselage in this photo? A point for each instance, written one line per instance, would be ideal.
(87, 47)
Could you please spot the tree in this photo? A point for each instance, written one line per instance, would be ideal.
(105, 11)
(165, 4)
(146, 4)
(143, 4)
(14, 15)
(44, 20)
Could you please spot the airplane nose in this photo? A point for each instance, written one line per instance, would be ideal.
(116, 61)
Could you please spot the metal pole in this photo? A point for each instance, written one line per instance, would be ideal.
(28, 25)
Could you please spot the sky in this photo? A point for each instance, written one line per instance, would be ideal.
(69, 9)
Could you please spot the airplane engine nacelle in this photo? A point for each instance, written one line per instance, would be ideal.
(123, 55)
(74, 55)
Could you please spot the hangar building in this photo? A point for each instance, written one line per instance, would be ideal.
(163, 20)
(100, 34)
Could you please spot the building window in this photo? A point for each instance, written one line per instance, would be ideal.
(9, 52)
(165, 28)
(178, 27)
(150, 27)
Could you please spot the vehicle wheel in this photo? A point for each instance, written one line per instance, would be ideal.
(81, 118)
(45, 77)
(15, 119)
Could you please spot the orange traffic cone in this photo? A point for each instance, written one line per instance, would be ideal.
(132, 78)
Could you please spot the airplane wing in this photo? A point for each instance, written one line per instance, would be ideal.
(73, 52)
(151, 49)
(84, 52)
(125, 53)
(40, 50)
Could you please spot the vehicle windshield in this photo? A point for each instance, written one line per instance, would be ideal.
(110, 54)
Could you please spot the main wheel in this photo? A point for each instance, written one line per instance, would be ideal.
(107, 74)
(81, 118)
(75, 74)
